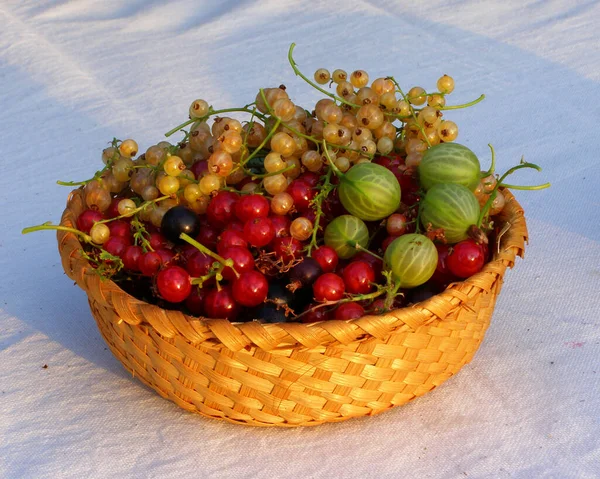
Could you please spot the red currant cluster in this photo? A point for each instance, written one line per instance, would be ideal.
(359, 206)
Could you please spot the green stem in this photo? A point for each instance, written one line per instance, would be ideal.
(493, 165)
(97, 176)
(179, 127)
(49, 226)
(358, 247)
(391, 293)
(464, 105)
(144, 205)
(412, 110)
(139, 235)
(500, 183)
(296, 132)
(314, 85)
(335, 169)
(267, 138)
(354, 298)
(200, 281)
(519, 187)
(273, 173)
(210, 113)
(520, 166)
(318, 202)
(225, 262)
(418, 218)
(72, 183)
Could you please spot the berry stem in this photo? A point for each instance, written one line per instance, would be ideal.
(266, 139)
(500, 183)
(464, 105)
(72, 183)
(136, 210)
(527, 188)
(391, 290)
(493, 165)
(97, 176)
(353, 298)
(317, 202)
(179, 127)
(200, 281)
(358, 247)
(412, 110)
(208, 252)
(273, 173)
(140, 235)
(291, 128)
(335, 169)
(314, 85)
(211, 112)
(417, 220)
(49, 226)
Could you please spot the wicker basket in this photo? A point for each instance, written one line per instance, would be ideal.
(293, 374)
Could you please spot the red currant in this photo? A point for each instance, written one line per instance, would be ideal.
(231, 238)
(199, 168)
(236, 225)
(173, 284)
(199, 264)
(326, 257)
(302, 194)
(349, 311)
(332, 206)
(221, 208)
(329, 287)
(315, 315)
(186, 251)
(131, 258)
(116, 245)
(465, 259)
(220, 303)
(281, 224)
(391, 161)
(86, 220)
(157, 240)
(208, 237)
(387, 241)
(287, 249)
(375, 263)
(396, 224)
(120, 228)
(250, 289)
(259, 232)
(242, 261)
(442, 274)
(195, 301)
(166, 255)
(150, 263)
(358, 277)
(113, 209)
(310, 178)
(252, 206)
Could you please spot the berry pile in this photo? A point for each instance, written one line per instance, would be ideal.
(358, 206)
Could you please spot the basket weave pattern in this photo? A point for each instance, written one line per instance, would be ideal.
(292, 374)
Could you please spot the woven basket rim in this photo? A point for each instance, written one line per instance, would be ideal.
(269, 336)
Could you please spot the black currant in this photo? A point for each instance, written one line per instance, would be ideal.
(269, 313)
(305, 273)
(179, 220)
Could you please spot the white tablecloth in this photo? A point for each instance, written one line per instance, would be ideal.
(75, 74)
